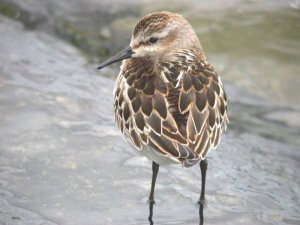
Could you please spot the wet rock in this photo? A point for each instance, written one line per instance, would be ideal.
(78, 22)
(62, 161)
(46, 103)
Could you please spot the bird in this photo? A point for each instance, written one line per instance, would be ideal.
(169, 102)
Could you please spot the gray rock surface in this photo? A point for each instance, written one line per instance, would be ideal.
(62, 161)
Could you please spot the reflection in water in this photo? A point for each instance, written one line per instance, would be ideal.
(201, 215)
(151, 212)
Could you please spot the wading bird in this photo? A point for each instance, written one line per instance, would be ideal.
(169, 103)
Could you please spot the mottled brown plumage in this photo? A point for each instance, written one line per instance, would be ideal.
(170, 103)
(180, 106)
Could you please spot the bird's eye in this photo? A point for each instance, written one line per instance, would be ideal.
(153, 40)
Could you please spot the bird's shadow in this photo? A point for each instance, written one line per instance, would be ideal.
(150, 217)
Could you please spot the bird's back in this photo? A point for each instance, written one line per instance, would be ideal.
(178, 108)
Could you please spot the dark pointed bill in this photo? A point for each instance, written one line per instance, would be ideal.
(125, 54)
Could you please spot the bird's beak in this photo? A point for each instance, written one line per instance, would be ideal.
(125, 54)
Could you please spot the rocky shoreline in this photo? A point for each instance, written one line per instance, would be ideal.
(62, 161)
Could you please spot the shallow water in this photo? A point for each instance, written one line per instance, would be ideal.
(62, 161)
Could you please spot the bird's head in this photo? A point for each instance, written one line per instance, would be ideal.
(158, 36)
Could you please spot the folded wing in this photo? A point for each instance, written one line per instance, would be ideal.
(179, 113)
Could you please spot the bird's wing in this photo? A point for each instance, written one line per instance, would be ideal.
(203, 99)
(197, 102)
(181, 117)
(142, 114)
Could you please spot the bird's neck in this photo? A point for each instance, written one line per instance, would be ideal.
(185, 57)
(143, 65)
(148, 65)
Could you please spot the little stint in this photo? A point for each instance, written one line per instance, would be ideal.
(170, 103)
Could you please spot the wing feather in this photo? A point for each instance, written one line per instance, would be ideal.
(180, 112)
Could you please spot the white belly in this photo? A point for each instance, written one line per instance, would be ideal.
(155, 156)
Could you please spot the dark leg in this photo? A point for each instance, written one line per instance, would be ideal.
(203, 167)
(155, 168)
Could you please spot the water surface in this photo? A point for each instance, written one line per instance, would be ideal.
(62, 161)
